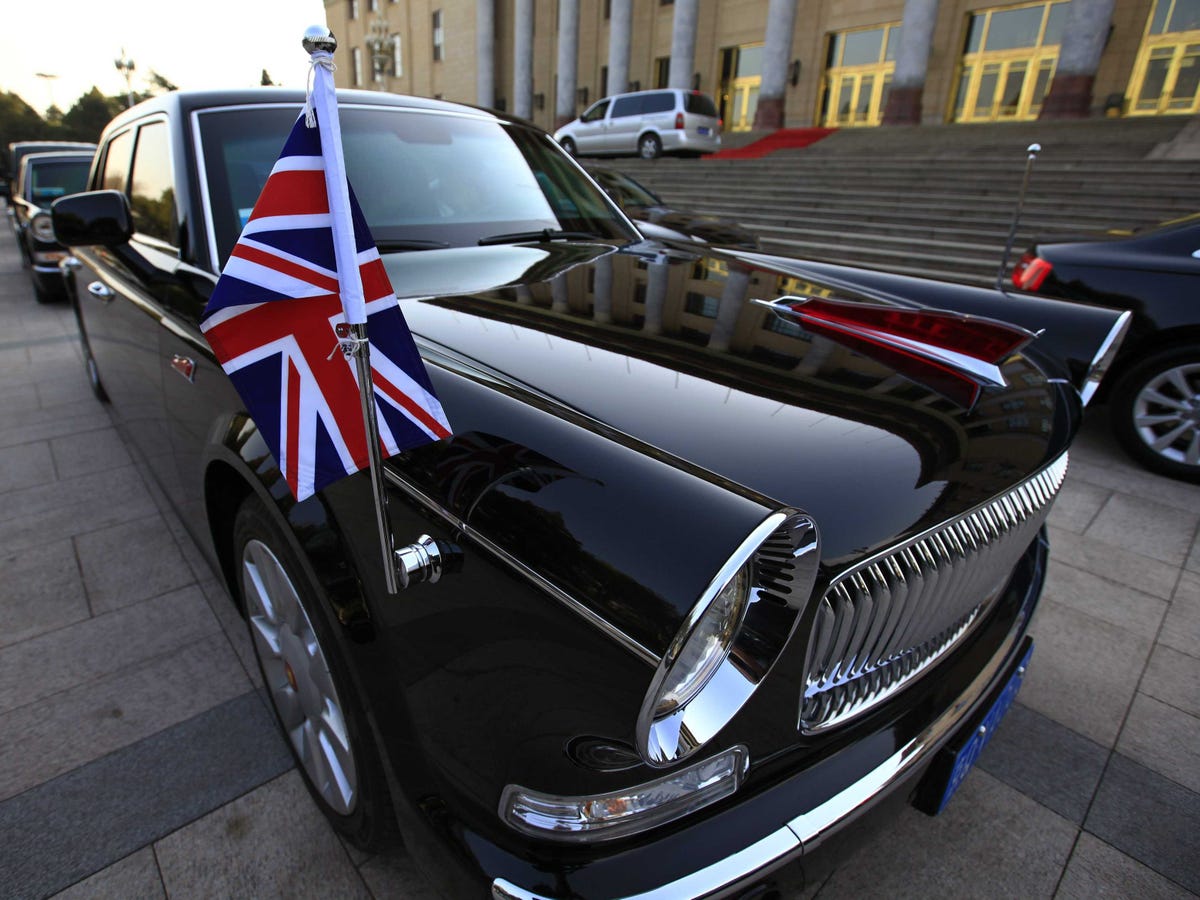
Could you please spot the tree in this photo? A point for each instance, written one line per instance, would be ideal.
(19, 121)
(86, 119)
(160, 83)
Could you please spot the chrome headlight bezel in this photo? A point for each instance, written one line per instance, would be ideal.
(42, 228)
(750, 634)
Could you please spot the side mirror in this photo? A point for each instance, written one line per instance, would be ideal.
(96, 217)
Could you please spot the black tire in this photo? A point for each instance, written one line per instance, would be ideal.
(649, 146)
(569, 146)
(1155, 411)
(350, 789)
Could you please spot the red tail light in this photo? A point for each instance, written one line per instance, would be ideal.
(679, 120)
(1030, 272)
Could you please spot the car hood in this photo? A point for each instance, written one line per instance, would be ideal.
(658, 345)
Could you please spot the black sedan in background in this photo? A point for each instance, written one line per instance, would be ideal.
(45, 177)
(658, 220)
(1153, 389)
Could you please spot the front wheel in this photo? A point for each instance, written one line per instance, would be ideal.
(649, 146)
(1156, 412)
(569, 146)
(310, 691)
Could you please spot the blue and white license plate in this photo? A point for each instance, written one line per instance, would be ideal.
(984, 730)
(704, 131)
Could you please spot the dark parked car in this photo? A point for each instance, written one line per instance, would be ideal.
(658, 220)
(44, 178)
(1153, 390)
(18, 150)
(732, 575)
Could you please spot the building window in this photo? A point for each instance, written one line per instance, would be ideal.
(662, 71)
(700, 305)
(439, 37)
(1008, 62)
(607, 10)
(354, 9)
(373, 5)
(397, 56)
(356, 57)
(1166, 76)
(604, 81)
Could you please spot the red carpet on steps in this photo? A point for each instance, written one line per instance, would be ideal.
(783, 139)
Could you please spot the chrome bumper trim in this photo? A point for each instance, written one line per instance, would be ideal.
(809, 830)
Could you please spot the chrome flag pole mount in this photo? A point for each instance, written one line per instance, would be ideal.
(1031, 154)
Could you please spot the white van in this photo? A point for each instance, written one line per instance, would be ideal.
(648, 123)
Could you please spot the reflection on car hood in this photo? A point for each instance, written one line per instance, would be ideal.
(662, 345)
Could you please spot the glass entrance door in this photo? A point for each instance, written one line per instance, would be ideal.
(742, 78)
(858, 75)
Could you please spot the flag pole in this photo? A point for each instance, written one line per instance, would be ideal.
(320, 43)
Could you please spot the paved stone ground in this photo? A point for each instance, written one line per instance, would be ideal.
(137, 758)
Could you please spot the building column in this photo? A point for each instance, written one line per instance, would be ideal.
(523, 59)
(683, 44)
(620, 24)
(568, 61)
(1084, 35)
(912, 63)
(777, 52)
(485, 52)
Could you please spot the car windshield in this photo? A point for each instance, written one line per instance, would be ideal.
(626, 191)
(423, 179)
(50, 180)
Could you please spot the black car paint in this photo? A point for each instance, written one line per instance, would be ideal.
(484, 679)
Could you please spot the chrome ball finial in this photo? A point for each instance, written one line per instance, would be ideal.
(318, 38)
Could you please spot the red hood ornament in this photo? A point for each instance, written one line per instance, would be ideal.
(955, 354)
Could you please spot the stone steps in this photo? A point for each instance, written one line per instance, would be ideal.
(936, 201)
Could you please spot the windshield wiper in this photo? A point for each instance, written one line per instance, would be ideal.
(398, 246)
(546, 234)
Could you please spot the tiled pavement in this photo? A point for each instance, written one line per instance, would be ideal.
(138, 760)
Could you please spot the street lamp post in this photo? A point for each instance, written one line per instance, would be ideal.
(381, 45)
(125, 66)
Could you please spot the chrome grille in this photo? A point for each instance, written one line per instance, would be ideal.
(889, 618)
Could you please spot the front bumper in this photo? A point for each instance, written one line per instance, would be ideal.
(895, 771)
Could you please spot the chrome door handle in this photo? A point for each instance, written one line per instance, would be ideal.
(101, 291)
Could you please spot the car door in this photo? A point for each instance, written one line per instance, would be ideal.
(624, 122)
(589, 134)
(120, 289)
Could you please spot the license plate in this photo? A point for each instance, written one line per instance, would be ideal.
(983, 731)
(704, 131)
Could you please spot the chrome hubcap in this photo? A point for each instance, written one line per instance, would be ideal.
(297, 677)
(1166, 414)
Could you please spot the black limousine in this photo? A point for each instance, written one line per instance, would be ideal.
(733, 570)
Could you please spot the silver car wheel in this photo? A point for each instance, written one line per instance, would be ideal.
(1166, 414)
(297, 677)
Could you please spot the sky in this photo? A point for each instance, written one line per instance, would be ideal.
(199, 44)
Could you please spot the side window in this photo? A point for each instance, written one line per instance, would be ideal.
(657, 103)
(115, 174)
(152, 189)
(596, 113)
(626, 106)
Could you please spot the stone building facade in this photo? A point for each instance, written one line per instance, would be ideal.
(784, 63)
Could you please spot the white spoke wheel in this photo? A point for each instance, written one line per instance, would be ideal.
(305, 681)
(1156, 413)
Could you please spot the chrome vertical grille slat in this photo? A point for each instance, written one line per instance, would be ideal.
(886, 620)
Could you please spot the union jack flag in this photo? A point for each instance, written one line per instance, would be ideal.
(271, 322)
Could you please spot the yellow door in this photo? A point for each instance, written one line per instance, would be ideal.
(743, 102)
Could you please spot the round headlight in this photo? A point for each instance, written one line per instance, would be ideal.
(42, 228)
(705, 648)
(731, 638)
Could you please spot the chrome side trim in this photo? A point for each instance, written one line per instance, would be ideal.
(1104, 357)
(632, 645)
